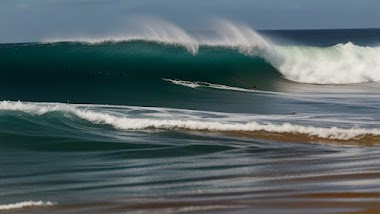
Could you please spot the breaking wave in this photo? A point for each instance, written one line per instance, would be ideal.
(339, 64)
(126, 122)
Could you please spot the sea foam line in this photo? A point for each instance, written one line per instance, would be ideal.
(127, 123)
(24, 204)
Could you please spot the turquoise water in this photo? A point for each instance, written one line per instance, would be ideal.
(151, 126)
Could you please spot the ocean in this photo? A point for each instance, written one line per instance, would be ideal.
(170, 122)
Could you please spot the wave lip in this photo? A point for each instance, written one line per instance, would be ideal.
(25, 204)
(148, 30)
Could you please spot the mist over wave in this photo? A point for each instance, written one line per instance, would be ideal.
(339, 64)
(145, 29)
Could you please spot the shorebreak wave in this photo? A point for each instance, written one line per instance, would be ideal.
(129, 123)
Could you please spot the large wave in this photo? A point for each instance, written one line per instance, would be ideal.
(339, 64)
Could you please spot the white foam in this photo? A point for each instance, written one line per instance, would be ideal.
(340, 64)
(33, 108)
(25, 204)
(198, 84)
(127, 123)
(183, 83)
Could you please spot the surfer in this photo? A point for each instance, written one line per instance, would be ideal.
(254, 87)
(68, 102)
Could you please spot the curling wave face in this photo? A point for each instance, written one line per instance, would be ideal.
(339, 64)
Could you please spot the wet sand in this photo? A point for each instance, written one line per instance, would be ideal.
(337, 202)
(366, 140)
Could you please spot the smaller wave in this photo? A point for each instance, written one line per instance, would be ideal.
(25, 204)
(127, 123)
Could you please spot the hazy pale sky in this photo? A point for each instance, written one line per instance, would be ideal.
(32, 20)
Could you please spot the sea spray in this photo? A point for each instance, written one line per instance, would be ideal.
(339, 64)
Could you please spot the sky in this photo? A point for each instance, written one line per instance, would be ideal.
(33, 20)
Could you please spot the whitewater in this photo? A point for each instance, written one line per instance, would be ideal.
(163, 119)
(339, 64)
(26, 204)
(125, 122)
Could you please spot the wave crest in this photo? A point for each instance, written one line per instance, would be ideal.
(148, 29)
(128, 123)
(339, 64)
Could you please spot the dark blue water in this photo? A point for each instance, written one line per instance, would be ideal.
(149, 126)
